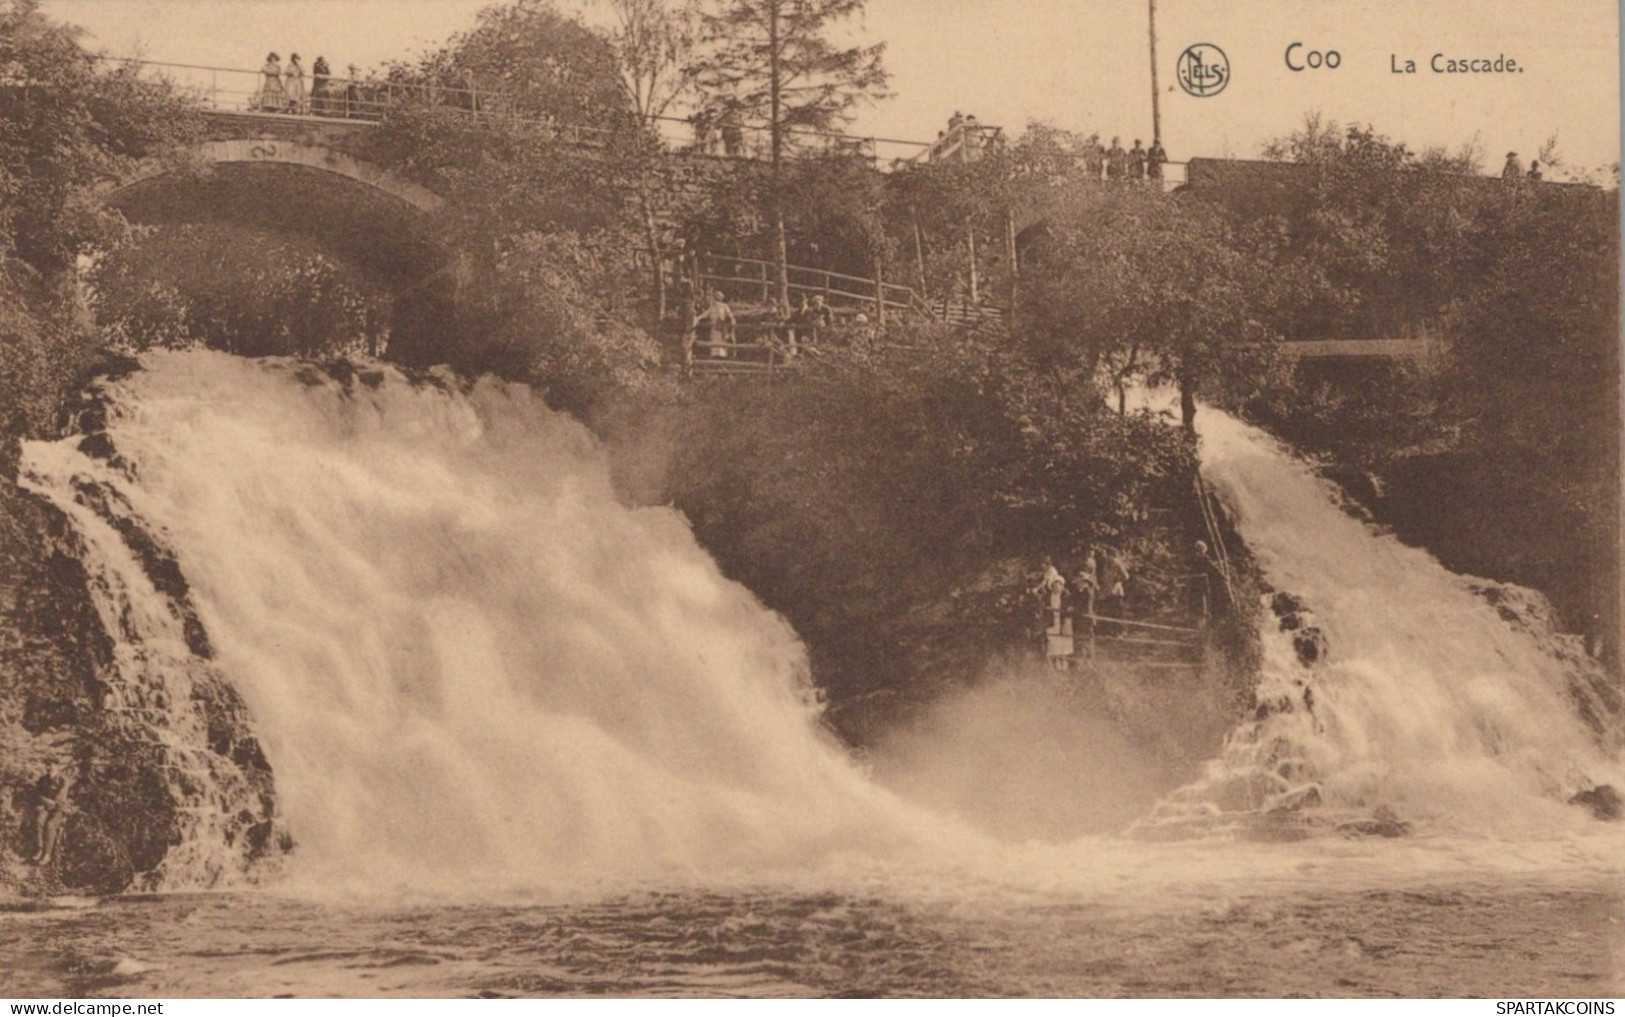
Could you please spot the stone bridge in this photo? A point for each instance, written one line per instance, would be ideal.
(306, 177)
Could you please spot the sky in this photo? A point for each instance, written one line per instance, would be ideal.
(1081, 64)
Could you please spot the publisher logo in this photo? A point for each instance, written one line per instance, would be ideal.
(1203, 70)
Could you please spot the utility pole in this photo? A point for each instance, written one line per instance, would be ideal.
(1156, 100)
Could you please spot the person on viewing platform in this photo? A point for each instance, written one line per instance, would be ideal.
(1534, 169)
(293, 83)
(1513, 168)
(1085, 588)
(352, 92)
(1155, 159)
(1114, 578)
(1116, 161)
(320, 82)
(51, 811)
(718, 319)
(1051, 593)
(271, 96)
(817, 318)
(1136, 161)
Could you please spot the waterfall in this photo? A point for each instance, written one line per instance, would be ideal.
(465, 658)
(418, 604)
(1442, 701)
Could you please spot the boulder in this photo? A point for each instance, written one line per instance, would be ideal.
(1604, 802)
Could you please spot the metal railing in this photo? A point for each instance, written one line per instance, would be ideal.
(366, 98)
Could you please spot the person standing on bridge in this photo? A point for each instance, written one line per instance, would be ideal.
(1116, 161)
(1136, 162)
(293, 82)
(1534, 169)
(320, 75)
(271, 97)
(1154, 161)
(352, 92)
(1094, 157)
(1513, 168)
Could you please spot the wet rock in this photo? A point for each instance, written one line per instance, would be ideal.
(1292, 615)
(1604, 802)
(1309, 643)
(1283, 605)
(1297, 799)
(90, 860)
(64, 704)
(1383, 823)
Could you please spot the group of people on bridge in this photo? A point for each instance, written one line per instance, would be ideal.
(1513, 170)
(1135, 165)
(282, 89)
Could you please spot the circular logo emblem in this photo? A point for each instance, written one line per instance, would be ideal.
(1203, 70)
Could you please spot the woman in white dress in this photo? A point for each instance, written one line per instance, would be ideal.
(293, 81)
(271, 96)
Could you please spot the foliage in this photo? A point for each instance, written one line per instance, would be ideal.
(43, 360)
(770, 64)
(68, 125)
(653, 43)
(536, 62)
(1147, 288)
(889, 501)
(557, 315)
(1383, 232)
(249, 292)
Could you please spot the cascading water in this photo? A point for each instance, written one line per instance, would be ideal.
(467, 660)
(1431, 705)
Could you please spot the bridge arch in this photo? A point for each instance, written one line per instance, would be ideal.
(286, 152)
(341, 204)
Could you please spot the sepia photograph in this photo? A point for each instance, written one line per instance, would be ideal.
(783, 499)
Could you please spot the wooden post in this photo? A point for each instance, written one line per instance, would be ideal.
(763, 274)
(975, 292)
(880, 289)
(1010, 255)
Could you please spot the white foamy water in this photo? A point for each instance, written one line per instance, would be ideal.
(466, 659)
(472, 667)
(1430, 704)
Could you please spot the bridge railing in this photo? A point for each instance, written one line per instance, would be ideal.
(366, 98)
(333, 97)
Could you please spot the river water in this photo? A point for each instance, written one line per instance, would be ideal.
(529, 741)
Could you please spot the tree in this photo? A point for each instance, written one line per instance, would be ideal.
(1135, 286)
(251, 292)
(532, 60)
(70, 124)
(653, 42)
(771, 64)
